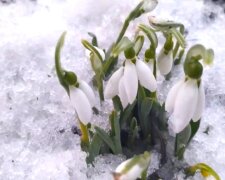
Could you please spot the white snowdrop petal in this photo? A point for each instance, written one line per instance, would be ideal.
(81, 104)
(171, 97)
(122, 93)
(101, 52)
(130, 81)
(88, 92)
(165, 62)
(201, 103)
(146, 76)
(122, 166)
(111, 88)
(185, 105)
(133, 173)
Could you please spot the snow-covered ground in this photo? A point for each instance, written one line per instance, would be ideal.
(37, 119)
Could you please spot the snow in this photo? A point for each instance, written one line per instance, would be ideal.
(36, 141)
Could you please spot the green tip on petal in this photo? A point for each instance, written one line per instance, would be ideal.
(193, 69)
(130, 53)
(70, 78)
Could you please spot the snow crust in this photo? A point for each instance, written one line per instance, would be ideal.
(36, 140)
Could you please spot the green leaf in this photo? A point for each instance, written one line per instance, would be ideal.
(182, 140)
(205, 170)
(123, 45)
(94, 148)
(99, 81)
(106, 138)
(133, 131)
(146, 107)
(59, 70)
(127, 113)
(94, 41)
(194, 128)
(116, 129)
(108, 65)
(138, 44)
(150, 33)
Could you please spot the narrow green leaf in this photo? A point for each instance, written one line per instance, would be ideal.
(133, 131)
(182, 140)
(99, 81)
(138, 44)
(108, 65)
(127, 113)
(150, 33)
(94, 41)
(146, 107)
(116, 125)
(106, 138)
(94, 148)
(194, 128)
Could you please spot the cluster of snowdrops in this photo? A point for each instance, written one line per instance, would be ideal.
(139, 122)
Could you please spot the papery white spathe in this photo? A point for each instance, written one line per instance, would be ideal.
(124, 81)
(100, 51)
(83, 99)
(149, 5)
(186, 101)
(165, 62)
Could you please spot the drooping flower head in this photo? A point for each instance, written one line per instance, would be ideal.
(186, 99)
(124, 81)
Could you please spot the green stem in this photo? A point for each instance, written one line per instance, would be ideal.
(133, 14)
(59, 69)
(123, 30)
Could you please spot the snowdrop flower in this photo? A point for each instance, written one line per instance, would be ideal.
(165, 62)
(133, 168)
(186, 101)
(124, 81)
(83, 99)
